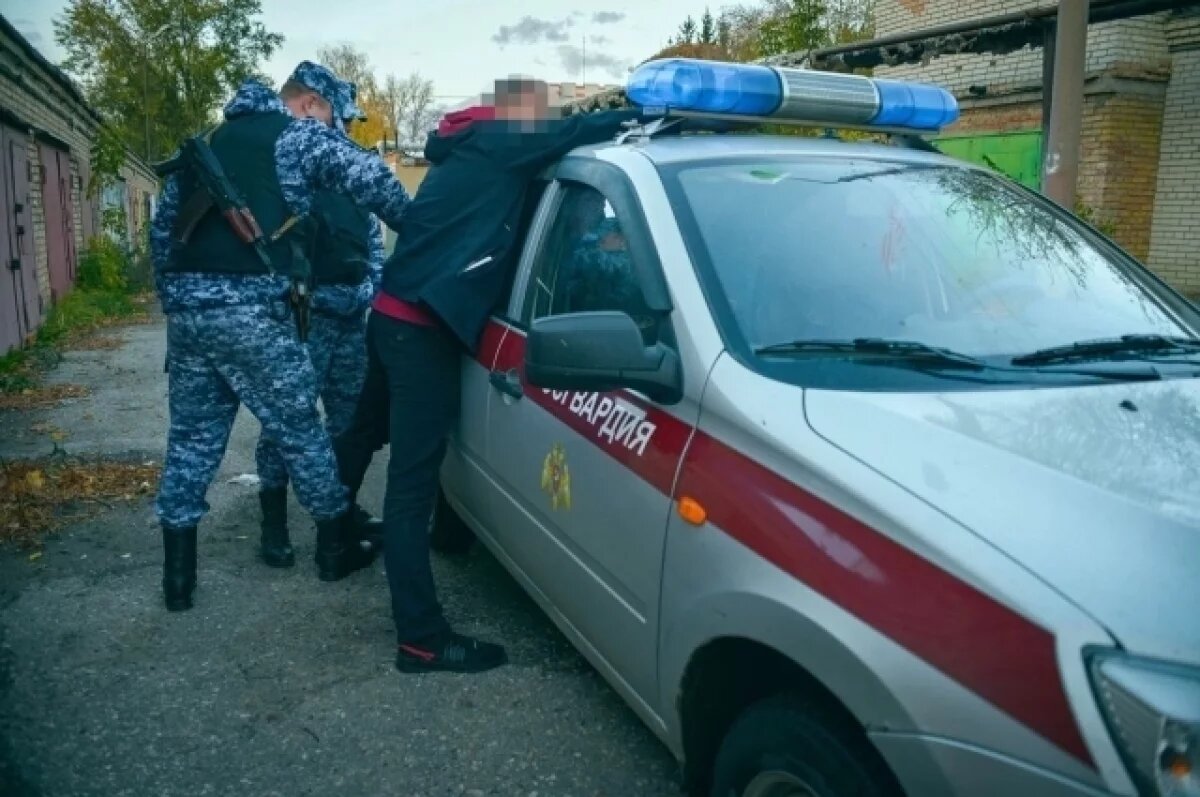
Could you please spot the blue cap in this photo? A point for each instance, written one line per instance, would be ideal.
(340, 94)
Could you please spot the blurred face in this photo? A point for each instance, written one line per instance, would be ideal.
(527, 101)
(311, 106)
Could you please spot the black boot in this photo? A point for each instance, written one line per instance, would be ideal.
(276, 547)
(369, 528)
(338, 551)
(179, 567)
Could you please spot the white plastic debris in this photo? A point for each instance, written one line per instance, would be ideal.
(245, 480)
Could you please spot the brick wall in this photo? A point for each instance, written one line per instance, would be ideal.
(1118, 169)
(1140, 149)
(77, 197)
(1175, 240)
(991, 116)
(38, 216)
(1138, 43)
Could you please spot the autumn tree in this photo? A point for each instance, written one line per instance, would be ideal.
(850, 20)
(793, 26)
(159, 70)
(351, 64)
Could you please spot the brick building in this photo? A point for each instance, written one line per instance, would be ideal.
(1140, 154)
(46, 217)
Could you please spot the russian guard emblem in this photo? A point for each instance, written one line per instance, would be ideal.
(556, 478)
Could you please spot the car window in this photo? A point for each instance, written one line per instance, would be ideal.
(585, 264)
(947, 256)
(533, 198)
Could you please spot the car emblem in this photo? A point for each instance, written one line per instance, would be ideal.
(556, 478)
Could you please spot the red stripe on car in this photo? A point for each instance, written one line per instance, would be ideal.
(980, 643)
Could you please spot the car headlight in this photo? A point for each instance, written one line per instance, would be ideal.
(1153, 711)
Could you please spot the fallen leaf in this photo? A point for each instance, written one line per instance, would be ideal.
(35, 479)
(33, 557)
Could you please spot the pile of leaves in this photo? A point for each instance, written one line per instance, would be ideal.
(40, 496)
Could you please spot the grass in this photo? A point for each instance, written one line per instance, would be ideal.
(75, 317)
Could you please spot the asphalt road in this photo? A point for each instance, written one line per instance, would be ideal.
(275, 684)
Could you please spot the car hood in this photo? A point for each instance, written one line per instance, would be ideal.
(1094, 489)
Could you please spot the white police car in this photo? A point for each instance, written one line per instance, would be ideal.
(855, 469)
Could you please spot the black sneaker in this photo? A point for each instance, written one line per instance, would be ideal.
(450, 652)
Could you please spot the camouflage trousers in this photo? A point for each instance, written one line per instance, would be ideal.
(337, 348)
(218, 359)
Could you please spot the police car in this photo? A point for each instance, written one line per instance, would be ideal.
(855, 469)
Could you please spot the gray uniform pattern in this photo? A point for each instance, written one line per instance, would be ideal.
(337, 347)
(232, 342)
(221, 357)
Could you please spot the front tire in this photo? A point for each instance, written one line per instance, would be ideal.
(786, 746)
(448, 534)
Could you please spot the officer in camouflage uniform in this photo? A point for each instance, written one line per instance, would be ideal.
(231, 332)
(347, 261)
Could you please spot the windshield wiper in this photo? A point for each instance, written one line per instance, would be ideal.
(1131, 345)
(910, 350)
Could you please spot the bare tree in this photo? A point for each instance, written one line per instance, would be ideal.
(419, 106)
(350, 63)
(407, 103)
(392, 102)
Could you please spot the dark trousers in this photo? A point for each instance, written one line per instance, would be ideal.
(410, 399)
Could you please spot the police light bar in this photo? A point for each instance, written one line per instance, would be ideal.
(689, 86)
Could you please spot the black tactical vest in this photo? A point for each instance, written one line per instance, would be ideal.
(246, 149)
(340, 253)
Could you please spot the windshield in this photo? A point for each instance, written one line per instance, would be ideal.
(838, 249)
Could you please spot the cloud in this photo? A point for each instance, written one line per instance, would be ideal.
(598, 39)
(607, 17)
(531, 30)
(572, 58)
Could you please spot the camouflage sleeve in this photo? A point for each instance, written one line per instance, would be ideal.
(162, 224)
(310, 156)
(376, 254)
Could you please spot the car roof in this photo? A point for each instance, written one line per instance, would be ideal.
(678, 149)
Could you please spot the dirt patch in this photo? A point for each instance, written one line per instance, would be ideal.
(35, 397)
(40, 496)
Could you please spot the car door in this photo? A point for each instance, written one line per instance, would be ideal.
(584, 479)
(464, 477)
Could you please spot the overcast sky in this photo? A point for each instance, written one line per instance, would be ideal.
(460, 44)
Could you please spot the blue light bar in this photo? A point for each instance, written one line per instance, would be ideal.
(795, 95)
(716, 87)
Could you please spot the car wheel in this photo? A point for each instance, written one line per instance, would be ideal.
(448, 533)
(787, 747)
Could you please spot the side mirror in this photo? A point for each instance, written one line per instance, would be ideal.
(600, 352)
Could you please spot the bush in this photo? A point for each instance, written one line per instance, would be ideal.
(104, 266)
(1087, 213)
(84, 309)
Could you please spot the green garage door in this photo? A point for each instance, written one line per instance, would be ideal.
(1017, 155)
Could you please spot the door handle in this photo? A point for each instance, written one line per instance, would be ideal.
(507, 382)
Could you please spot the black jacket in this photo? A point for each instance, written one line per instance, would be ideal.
(457, 244)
